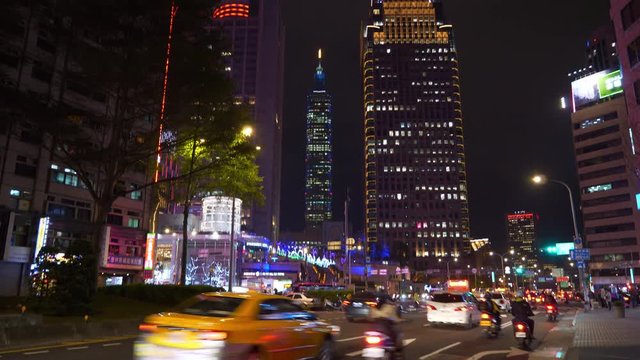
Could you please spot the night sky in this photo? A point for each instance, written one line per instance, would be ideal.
(514, 57)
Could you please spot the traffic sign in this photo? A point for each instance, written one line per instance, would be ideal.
(577, 241)
(580, 264)
(368, 259)
(474, 271)
(580, 254)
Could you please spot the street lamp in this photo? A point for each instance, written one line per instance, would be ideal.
(510, 252)
(455, 258)
(541, 180)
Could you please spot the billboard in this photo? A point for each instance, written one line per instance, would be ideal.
(595, 87)
(563, 248)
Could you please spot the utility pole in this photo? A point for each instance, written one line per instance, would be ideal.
(347, 246)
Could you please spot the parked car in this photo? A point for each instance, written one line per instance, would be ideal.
(304, 301)
(453, 308)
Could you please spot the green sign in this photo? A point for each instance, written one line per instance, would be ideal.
(563, 248)
(610, 84)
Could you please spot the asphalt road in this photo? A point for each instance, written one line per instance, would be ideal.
(423, 342)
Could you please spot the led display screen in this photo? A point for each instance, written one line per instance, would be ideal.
(595, 87)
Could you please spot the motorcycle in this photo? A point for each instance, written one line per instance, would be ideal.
(332, 304)
(491, 323)
(522, 333)
(379, 345)
(552, 312)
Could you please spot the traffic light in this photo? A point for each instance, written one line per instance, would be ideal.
(551, 250)
(519, 270)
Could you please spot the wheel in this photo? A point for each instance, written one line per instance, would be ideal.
(326, 351)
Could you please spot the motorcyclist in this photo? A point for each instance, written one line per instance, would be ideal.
(492, 308)
(550, 300)
(521, 311)
(386, 315)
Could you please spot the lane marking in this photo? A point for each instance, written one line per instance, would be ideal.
(56, 346)
(440, 350)
(36, 352)
(480, 355)
(506, 325)
(78, 348)
(406, 342)
(351, 338)
(112, 344)
(355, 353)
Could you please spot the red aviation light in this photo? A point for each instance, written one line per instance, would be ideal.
(231, 10)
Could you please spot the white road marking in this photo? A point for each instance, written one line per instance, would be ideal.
(440, 350)
(78, 348)
(406, 342)
(351, 338)
(112, 344)
(355, 353)
(480, 355)
(36, 352)
(505, 325)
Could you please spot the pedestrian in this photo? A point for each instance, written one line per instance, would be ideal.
(603, 297)
(634, 295)
(607, 297)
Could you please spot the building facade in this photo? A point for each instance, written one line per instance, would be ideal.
(254, 35)
(521, 238)
(415, 180)
(625, 15)
(318, 160)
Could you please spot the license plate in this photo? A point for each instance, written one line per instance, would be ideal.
(521, 335)
(375, 353)
(485, 323)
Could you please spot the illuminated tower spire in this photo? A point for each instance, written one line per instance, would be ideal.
(318, 187)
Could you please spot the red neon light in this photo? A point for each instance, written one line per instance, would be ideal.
(519, 216)
(174, 10)
(231, 10)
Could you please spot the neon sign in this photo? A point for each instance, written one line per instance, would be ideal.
(299, 254)
(43, 229)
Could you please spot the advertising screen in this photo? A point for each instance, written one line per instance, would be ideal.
(595, 87)
(563, 248)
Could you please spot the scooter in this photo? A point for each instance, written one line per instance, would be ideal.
(522, 333)
(379, 345)
(552, 312)
(491, 323)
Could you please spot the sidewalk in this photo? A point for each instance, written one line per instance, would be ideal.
(599, 334)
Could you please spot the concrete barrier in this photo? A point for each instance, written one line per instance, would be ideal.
(51, 333)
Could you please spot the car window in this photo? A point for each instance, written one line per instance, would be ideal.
(447, 298)
(282, 309)
(214, 306)
(297, 297)
(496, 296)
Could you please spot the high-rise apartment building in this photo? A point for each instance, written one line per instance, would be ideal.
(415, 181)
(625, 15)
(255, 38)
(318, 160)
(604, 149)
(521, 237)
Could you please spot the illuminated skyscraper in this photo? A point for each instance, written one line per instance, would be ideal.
(255, 35)
(416, 191)
(521, 232)
(318, 195)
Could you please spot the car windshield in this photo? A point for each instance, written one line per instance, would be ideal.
(447, 298)
(214, 306)
(496, 296)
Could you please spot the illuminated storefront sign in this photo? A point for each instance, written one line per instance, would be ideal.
(149, 255)
(297, 253)
(264, 274)
(256, 244)
(43, 229)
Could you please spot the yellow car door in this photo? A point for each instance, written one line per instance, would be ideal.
(278, 331)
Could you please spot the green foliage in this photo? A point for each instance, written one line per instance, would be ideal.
(63, 282)
(169, 295)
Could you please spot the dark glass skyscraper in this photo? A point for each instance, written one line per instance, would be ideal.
(521, 237)
(318, 195)
(416, 191)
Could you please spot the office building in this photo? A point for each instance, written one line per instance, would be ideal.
(625, 15)
(521, 237)
(415, 181)
(318, 160)
(254, 35)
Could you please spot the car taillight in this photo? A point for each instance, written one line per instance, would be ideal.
(431, 307)
(147, 327)
(501, 302)
(371, 303)
(212, 335)
(484, 316)
(462, 308)
(549, 307)
(373, 340)
(346, 302)
(520, 327)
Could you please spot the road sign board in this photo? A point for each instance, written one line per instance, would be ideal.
(580, 264)
(368, 259)
(580, 254)
(577, 241)
(474, 271)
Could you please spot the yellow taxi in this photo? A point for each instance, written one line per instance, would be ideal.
(235, 326)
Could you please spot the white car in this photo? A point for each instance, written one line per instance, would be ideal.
(502, 302)
(302, 300)
(453, 308)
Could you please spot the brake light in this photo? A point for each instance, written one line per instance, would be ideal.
(520, 327)
(373, 340)
(346, 302)
(550, 307)
(484, 316)
(212, 335)
(462, 308)
(431, 307)
(371, 303)
(147, 327)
